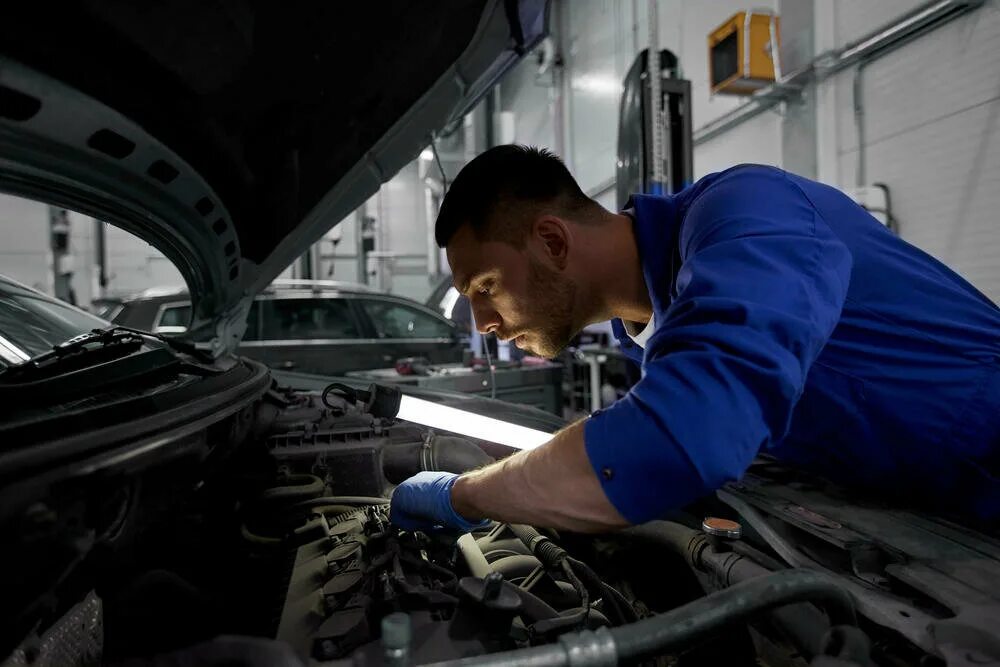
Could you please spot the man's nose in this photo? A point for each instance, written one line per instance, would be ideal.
(487, 319)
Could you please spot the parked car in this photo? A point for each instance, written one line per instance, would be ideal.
(105, 307)
(168, 504)
(315, 326)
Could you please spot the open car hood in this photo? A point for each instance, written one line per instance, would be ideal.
(232, 135)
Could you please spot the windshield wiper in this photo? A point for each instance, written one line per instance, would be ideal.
(177, 344)
(96, 345)
(71, 351)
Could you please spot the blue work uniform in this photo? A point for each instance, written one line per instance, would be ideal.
(788, 321)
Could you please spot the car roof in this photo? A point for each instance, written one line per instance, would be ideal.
(296, 288)
(317, 285)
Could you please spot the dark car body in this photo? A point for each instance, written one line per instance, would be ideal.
(315, 326)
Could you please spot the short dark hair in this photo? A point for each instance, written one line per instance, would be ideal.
(519, 177)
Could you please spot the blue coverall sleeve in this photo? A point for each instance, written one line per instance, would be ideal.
(760, 289)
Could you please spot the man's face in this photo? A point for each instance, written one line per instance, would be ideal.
(514, 292)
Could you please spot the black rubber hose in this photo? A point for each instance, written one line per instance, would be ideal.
(294, 487)
(400, 462)
(445, 453)
(696, 620)
(684, 626)
(802, 624)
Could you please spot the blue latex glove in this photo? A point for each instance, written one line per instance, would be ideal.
(423, 502)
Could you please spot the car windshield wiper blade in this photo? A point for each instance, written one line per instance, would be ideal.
(174, 343)
(122, 340)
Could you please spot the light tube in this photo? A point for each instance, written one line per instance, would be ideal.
(446, 418)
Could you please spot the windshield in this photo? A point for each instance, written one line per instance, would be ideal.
(32, 323)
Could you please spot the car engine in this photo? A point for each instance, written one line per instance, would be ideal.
(353, 574)
(276, 548)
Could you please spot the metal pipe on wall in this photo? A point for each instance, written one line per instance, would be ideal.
(561, 9)
(874, 45)
(359, 243)
(430, 212)
(557, 110)
(857, 88)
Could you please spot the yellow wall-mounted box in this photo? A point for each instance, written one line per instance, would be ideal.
(743, 53)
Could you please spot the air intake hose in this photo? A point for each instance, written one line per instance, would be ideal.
(445, 453)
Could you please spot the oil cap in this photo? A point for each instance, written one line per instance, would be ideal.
(724, 529)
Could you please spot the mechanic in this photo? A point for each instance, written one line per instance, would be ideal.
(771, 314)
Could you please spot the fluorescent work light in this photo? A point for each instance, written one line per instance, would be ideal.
(384, 401)
(443, 417)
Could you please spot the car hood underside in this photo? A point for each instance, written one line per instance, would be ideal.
(232, 135)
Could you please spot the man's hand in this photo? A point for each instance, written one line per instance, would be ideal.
(551, 486)
(423, 502)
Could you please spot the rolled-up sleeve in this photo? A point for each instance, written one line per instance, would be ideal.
(760, 289)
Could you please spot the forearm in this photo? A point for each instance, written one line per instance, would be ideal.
(552, 486)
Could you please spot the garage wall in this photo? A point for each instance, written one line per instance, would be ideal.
(856, 18)
(25, 256)
(931, 133)
(758, 140)
(930, 124)
(24, 253)
(599, 40)
(532, 99)
(134, 265)
(401, 229)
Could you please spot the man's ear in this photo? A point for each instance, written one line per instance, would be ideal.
(553, 235)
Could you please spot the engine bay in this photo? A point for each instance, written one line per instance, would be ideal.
(276, 548)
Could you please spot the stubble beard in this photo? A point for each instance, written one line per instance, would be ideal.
(552, 298)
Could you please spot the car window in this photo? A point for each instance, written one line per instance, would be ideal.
(296, 319)
(396, 320)
(175, 316)
(32, 323)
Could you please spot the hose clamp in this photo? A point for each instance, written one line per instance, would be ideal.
(590, 648)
